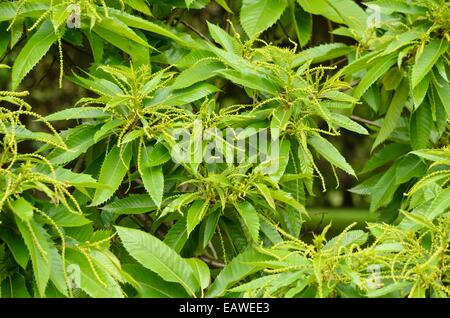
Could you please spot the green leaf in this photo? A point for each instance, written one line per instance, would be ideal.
(347, 123)
(106, 129)
(426, 60)
(420, 91)
(280, 163)
(352, 14)
(251, 80)
(57, 271)
(139, 5)
(223, 4)
(23, 209)
(347, 239)
(386, 154)
(65, 218)
(409, 167)
(221, 37)
(258, 15)
(287, 198)
(17, 287)
(200, 71)
(265, 192)
(139, 23)
(249, 217)
(78, 140)
(187, 95)
(321, 53)
(132, 204)
(400, 6)
(35, 48)
(195, 214)
(420, 127)
(365, 187)
(201, 271)
(153, 179)
(440, 204)
(321, 7)
(112, 172)
(16, 245)
(177, 235)
(22, 133)
(159, 258)
(139, 53)
(155, 156)
(150, 285)
(373, 74)
(78, 113)
(240, 267)
(280, 119)
(121, 29)
(35, 239)
(9, 9)
(391, 288)
(132, 135)
(330, 153)
(75, 179)
(208, 227)
(442, 88)
(383, 190)
(303, 23)
(393, 114)
(91, 277)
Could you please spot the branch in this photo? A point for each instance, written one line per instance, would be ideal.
(190, 27)
(212, 262)
(365, 121)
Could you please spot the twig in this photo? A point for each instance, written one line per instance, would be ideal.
(190, 27)
(365, 121)
(212, 262)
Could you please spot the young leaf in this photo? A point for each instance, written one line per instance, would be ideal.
(383, 190)
(159, 258)
(347, 123)
(221, 37)
(177, 235)
(78, 140)
(196, 213)
(419, 126)
(150, 285)
(249, 217)
(201, 271)
(153, 179)
(386, 154)
(330, 153)
(259, 15)
(22, 209)
(132, 204)
(35, 239)
(373, 74)
(426, 60)
(16, 245)
(240, 267)
(321, 53)
(393, 113)
(35, 48)
(200, 71)
(113, 170)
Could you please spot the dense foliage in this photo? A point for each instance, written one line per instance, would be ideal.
(108, 198)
